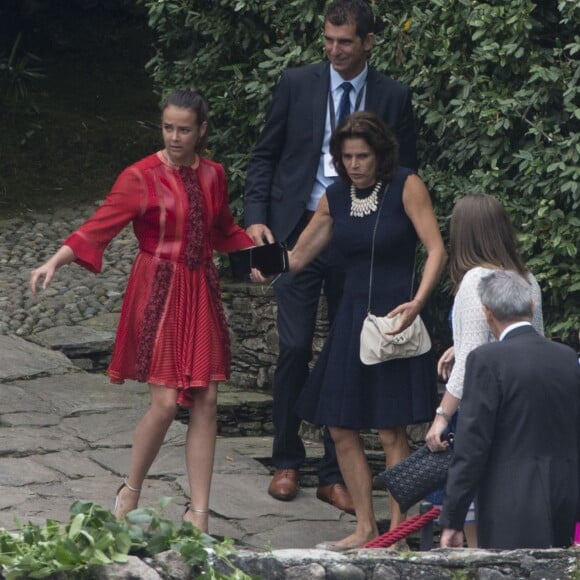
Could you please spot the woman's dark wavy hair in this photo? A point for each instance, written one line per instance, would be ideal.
(193, 100)
(481, 234)
(374, 131)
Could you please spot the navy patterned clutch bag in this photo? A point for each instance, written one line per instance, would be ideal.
(418, 475)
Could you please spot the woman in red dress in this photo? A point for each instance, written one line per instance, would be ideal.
(172, 331)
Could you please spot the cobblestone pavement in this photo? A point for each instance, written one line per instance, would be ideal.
(75, 294)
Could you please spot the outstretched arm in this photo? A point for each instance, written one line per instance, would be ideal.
(63, 256)
(418, 207)
(315, 237)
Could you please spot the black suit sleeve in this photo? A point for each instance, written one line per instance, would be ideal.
(405, 134)
(265, 156)
(475, 429)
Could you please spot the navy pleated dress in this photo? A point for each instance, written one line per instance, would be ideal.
(341, 391)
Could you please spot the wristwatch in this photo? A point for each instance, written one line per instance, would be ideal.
(441, 411)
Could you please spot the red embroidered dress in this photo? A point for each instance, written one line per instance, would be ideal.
(172, 330)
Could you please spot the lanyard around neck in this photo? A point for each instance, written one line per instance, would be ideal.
(331, 105)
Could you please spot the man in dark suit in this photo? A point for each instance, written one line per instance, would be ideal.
(518, 437)
(288, 172)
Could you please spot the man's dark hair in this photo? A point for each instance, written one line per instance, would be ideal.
(359, 12)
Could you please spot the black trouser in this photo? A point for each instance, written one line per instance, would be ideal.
(297, 297)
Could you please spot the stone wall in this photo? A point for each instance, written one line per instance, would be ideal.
(375, 564)
(441, 564)
(251, 313)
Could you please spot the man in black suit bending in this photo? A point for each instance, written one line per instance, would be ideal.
(288, 172)
(517, 443)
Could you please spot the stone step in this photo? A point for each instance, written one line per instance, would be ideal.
(241, 413)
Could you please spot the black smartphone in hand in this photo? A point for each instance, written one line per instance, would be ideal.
(270, 259)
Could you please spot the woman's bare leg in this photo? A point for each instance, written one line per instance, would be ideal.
(470, 531)
(200, 453)
(396, 448)
(147, 440)
(358, 479)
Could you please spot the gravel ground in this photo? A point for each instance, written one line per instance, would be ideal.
(75, 293)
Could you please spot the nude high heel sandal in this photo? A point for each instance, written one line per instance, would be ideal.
(204, 512)
(117, 499)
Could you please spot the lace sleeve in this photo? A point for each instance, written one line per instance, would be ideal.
(470, 328)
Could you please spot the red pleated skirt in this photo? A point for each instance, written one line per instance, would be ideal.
(172, 329)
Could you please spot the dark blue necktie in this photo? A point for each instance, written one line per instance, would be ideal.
(344, 106)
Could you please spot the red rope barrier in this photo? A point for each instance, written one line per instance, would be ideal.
(404, 529)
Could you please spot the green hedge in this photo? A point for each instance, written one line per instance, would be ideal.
(495, 92)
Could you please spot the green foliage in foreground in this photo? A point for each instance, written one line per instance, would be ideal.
(496, 98)
(94, 537)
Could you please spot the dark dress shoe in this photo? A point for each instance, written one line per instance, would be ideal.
(284, 485)
(337, 495)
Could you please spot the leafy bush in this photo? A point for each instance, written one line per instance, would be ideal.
(94, 537)
(495, 92)
(233, 51)
(17, 70)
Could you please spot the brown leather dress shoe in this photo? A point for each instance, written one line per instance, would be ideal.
(337, 495)
(284, 485)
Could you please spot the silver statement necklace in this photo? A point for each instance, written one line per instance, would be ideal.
(360, 207)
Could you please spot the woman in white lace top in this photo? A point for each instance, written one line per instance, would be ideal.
(470, 329)
(481, 239)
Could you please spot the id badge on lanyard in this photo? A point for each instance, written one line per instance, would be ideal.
(329, 169)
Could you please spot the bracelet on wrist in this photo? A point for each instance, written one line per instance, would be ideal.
(441, 412)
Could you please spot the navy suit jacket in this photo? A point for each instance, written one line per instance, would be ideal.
(283, 164)
(517, 444)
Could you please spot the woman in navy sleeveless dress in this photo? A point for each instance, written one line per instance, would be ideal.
(341, 392)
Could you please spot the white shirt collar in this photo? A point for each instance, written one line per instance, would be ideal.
(512, 327)
(357, 82)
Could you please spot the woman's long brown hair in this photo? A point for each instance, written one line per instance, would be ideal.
(481, 234)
